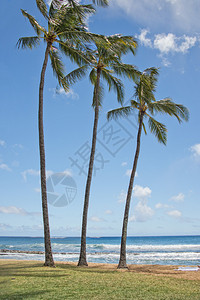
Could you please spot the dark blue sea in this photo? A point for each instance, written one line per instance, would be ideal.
(162, 250)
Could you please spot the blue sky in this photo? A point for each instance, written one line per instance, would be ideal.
(166, 197)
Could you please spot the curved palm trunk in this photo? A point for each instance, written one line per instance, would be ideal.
(47, 241)
(82, 257)
(122, 260)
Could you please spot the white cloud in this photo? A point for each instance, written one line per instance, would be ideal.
(108, 212)
(166, 43)
(124, 164)
(70, 94)
(142, 212)
(33, 172)
(178, 198)
(141, 192)
(2, 143)
(122, 197)
(16, 211)
(5, 167)
(128, 172)
(30, 172)
(68, 172)
(143, 39)
(195, 150)
(160, 205)
(177, 14)
(96, 219)
(174, 213)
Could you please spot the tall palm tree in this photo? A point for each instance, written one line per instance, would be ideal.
(66, 28)
(147, 106)
(103, 61)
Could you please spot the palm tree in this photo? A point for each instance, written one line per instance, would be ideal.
(147, 106)
(66, 28)
(103, 60)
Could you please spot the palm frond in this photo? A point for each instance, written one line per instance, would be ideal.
(36, 26)
(123, 44)
(115, 84)
(119, 112)
(76, 75)
(58, 69)
(169, 107)
(42, 8)
(158, 129)
(125, 70)
(135, 104)
(143, 125)
(75, 55)
(101, 2)
(28, 42)
(93, 76)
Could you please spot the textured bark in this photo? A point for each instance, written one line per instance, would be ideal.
(122, 260)
(47, 241)
(82, 257)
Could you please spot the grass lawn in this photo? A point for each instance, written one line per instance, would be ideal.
(31, 280)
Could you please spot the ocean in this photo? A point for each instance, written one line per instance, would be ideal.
(162, 250)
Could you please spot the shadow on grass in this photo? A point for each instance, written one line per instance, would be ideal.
(25, 295)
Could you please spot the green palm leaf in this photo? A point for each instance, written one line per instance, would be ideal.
(28, 42)
(42, 8)
(158, 129)
(36, 26)
(119, 112)
(169, 107)
(125, 70)
(76, 74)
(115, 84)
(58, 69)
(100, 2)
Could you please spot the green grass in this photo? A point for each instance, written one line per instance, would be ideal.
(31, 280)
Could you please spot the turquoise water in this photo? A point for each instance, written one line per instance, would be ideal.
(173, 250)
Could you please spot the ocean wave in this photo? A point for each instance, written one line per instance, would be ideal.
(181, 258)
(106, 248)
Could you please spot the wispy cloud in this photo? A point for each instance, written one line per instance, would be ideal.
(195, 149)
(142, 212)
(96, 219)
(16, 211)
(108, 212)
(128, 173)
(2, 143)
(70, 94)
(5, 167)
(178, 198)
(33, 172)
(179, 14)
(175, 214)
(122, 197)
(161, 205)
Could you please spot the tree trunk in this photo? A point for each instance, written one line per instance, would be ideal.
(122, 261)
(47, 241)
(82, 257)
